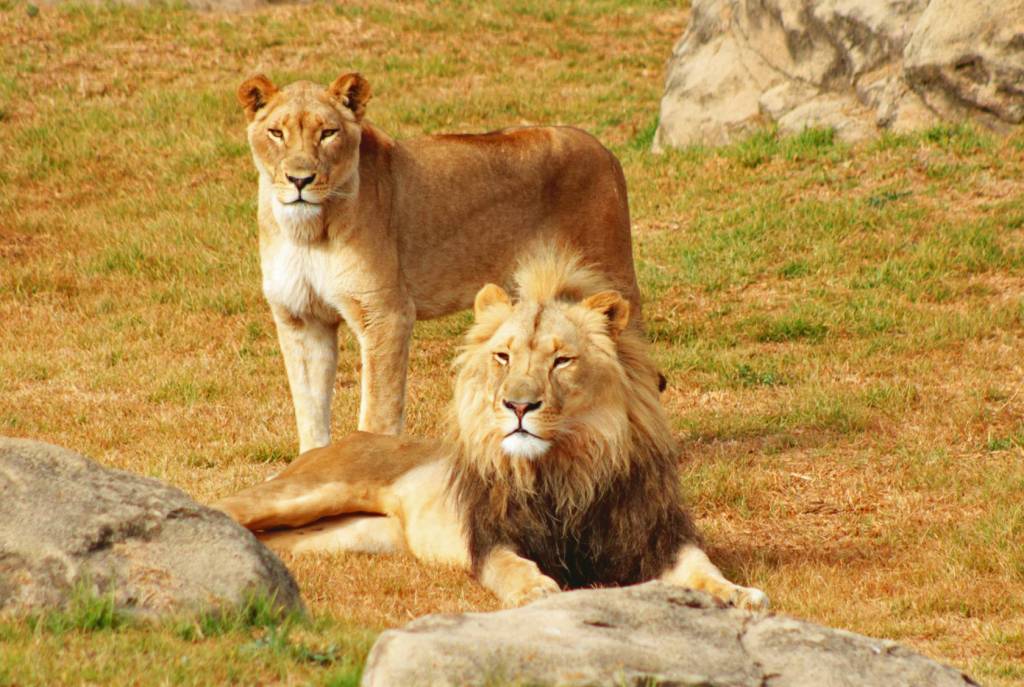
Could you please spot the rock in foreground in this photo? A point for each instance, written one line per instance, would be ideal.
(648, 634)
(67, 521)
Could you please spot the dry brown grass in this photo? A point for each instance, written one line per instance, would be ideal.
(842, 327)
(385, 591)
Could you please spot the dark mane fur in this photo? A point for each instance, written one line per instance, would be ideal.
(629, 533)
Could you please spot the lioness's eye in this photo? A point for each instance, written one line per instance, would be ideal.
(501, 358)
(327, 133)
(275, 133)
(562, 362)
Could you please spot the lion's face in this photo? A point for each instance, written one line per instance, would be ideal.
(305, 143)
(539, 376)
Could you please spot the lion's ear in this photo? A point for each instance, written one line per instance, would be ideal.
(490, 294)
(353, 91)
(254, 93)
(613, 306)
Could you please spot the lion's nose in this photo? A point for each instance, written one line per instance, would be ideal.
(301, 182)
(520, 408)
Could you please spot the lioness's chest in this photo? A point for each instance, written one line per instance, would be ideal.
(306, 280)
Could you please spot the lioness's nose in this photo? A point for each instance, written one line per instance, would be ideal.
(520, 408)
(301, 182)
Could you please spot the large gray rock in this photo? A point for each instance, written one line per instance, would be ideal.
(648, 634)
(967, 57)
(67, 521)
(860, 66)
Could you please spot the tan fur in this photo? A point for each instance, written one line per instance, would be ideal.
(566, 346)
(514, 579)
(395, 231)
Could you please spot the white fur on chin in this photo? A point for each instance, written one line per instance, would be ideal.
(525, 446)
(302, 221)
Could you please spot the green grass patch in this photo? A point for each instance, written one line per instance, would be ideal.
(768, 144)
(237, 645)
(962, 138)
(749, 376)
(187, 392)
(644, 138)
(87, 610)
(794, 328)
(256, 611)
(883, 198)
(270, 453)
(1006, 442)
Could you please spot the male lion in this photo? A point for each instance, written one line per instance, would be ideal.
(561, 471)
(356, 226)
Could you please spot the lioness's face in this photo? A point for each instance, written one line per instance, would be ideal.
(551, 375)
(305, 140)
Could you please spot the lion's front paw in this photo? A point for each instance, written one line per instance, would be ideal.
(536, 590)
(749, 598)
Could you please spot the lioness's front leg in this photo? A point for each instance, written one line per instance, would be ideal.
(384, 352)
(513, 579)
(310, 350)
(695, 570)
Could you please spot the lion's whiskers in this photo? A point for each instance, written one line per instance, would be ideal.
(339, 194)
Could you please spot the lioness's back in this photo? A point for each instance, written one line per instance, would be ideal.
(475, 201)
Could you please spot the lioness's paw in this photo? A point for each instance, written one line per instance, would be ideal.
(749, 598)
(536, 590)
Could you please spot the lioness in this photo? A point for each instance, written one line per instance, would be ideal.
(356, 226)
(561, 472)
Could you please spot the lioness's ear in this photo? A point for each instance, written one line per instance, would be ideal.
(353, 91)
(254, 93)
(490, 295)
(613, 306)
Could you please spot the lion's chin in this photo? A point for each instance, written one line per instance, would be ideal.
(302, 221)
(525, 446)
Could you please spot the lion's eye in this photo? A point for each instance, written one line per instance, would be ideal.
(501, 358)
(276, 133)
(327, 133)
(562, 361)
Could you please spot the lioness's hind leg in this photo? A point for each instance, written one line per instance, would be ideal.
(695, 570)
(293, 501)
(355, 533)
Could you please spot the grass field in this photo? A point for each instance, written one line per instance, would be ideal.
(842, 326)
